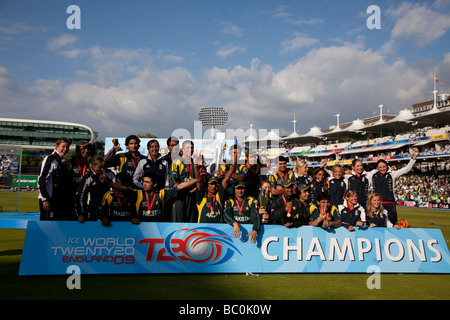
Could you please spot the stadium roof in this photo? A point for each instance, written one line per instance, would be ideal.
(41, 134)
(356, 125)
(380, 126)
(293, 135)
(271, 136)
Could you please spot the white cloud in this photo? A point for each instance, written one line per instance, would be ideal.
(173, 58)
(419, 23)
(231, 28)
(312, 21)
(120, 92)
(344, 79)
(50, 89)
(18, 32)
(229, 49)
(13, 28)
(151, 101)
(298, 43)
(388, 48)
(281, 12)
(62, 41)
(7, 81)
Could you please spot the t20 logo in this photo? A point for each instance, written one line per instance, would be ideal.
(199, 245)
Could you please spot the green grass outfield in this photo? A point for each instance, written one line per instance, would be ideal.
(223, 286)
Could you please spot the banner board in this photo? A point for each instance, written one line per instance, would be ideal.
(25, 181)
(51, 247)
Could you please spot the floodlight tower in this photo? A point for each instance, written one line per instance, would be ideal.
(212, 116)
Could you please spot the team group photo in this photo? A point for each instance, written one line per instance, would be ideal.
(225, 150)
(182, 187)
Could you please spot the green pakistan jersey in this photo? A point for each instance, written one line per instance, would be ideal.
(181, 171)
(79, 169)
(332, 214)
(183, 208)
(118, 208)
(298, 214)
(277, 178)
(242, 212)
(240, 170)
(210, 208)
(150, 206)
(125, 162)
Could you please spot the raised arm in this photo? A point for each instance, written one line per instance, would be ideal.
(116, 147)
(186, 184)
(199, 181)
(228, 175)
(408, 167)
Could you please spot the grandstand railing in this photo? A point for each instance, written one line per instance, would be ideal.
(365, 147)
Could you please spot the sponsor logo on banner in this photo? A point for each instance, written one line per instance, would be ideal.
(97, 249)
(199, 245)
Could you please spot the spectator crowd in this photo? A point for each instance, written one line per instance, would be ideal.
(424, 189)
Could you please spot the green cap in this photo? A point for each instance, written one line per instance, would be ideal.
(213, 179)
(239, 183)
(82, 143)
(303, 187)
(287, 183)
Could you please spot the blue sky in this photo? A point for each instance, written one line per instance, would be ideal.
(149, 66)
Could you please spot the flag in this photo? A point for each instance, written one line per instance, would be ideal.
(436, 79)
(295, 113)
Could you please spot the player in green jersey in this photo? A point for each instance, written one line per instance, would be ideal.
(127, 161)
(281, 175)
(150, 201)
(211, 195)
(322, 214)
(118, 205)
(287, 209)
(242, 209)
(182, 170)
(239, 173)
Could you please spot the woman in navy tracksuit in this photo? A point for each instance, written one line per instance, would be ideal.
(383, 182)
(358, 181)
(55, 202)
(352, 214)
(377, 216)
(319, 184)
(91, 190)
